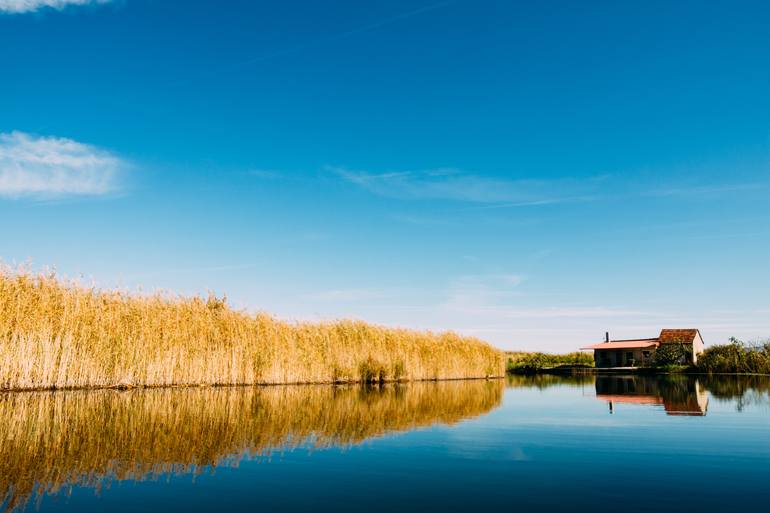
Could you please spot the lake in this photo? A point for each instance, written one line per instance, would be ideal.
(545, 443)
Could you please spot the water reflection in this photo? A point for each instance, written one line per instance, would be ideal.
(681, 394)
(543, 381)
(743, 391)
(678, 395)
(50, 441)
(57, 442)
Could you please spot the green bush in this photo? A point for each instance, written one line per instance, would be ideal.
(672, 354)
(737, 356)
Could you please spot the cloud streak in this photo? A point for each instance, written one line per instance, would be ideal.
(345, 295)
(24, 6)
(708, 191)
(491, 296)
(384, 22)
(456, 185)
(51, 167)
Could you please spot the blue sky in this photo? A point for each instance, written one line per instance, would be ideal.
(532, 173)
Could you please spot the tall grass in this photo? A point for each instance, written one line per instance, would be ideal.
(54, 440)
(57, 334)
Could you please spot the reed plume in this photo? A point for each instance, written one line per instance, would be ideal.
(56, 334)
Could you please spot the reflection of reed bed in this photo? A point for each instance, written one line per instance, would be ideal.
(57, 335)
(51, 440)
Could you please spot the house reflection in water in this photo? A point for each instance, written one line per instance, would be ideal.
(678, 395)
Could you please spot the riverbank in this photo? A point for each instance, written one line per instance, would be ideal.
(649, 371)
(734, 358)
(569, 370)
(57, 335)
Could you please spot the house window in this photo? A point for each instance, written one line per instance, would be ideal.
(646, 354)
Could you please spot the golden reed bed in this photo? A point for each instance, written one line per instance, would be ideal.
(53, 440)
(60, 335)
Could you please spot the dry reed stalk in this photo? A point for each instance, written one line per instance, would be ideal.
(56, 334)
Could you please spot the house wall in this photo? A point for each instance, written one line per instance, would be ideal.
(626, 385)
(604, 358)
(697, 347)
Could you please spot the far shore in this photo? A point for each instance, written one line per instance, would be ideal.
(734, 358)
(567, 370)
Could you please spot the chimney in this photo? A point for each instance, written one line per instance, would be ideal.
(606, 337)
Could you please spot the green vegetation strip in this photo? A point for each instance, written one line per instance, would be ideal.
(736, 357)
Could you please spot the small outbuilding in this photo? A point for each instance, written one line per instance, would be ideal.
(638, 352)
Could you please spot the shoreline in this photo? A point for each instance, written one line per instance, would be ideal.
(574, 371)
(246, 385)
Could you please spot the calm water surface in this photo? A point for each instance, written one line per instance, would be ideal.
(543, 443)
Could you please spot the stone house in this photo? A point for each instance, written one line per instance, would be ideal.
(638, 352)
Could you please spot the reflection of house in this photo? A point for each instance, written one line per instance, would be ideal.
(678, 396)
(633, 353)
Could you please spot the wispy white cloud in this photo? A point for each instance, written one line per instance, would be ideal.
(495, 281)
(267, 174)
(454, 184)
(288, 51)
(724, 236)
(498, 308)
(484, 192)
(554, 312)
(482, 288)
(707, 191)
(420, 220)
(53, 167)
(345, 295)
(492, 297)
(22, 6)
(134, 278)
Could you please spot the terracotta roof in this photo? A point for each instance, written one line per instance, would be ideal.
(686, 336)
(625, 344)
(667, 336)
(689, 408)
